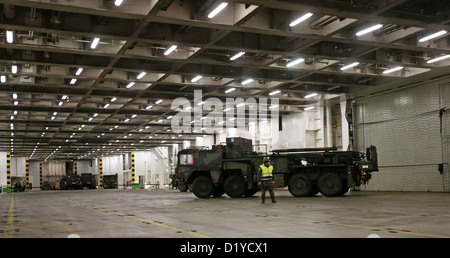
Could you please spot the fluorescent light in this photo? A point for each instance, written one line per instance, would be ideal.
(141, 75)
(158, 101)
(308, 108)
(14, 69)
(133, 116)
(349, 66)
(432, 36)
(274, 92)
(16, 103)
(170, 50)
(230, 90)
(295, 62)
(131, 84)
(273, 106)
(118, 2)
(372, 28)
(398, 68)
(149, 107)
(9, 36)
(196, 78)
(113, 99)
(14, 95)
(3, 78)
(60, 103)
(95, 43)
(247, 81)
(73, 81)
(297, 21)
(79, 70)
(217, 10)
(438, 59)
(237, 56)
(64, 97)
(311, 95)
(106, 105)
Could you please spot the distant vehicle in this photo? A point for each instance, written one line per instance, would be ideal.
(70, 181)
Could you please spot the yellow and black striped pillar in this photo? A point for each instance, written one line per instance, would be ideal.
(8, 169)
(27, 173)
(76, 168)
(101, 170)
(132, 168)
(40, 175)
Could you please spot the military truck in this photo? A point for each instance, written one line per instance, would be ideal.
(232, 168)
(70, 181)
(88, 180)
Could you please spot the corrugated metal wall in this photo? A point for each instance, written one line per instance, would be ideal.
(406, 128)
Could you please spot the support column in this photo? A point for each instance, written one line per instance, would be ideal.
(40, 175)
(100, 160)
(27, 173)
(329, 115)
(8, 169)
(133, 181)
(345, 127)
(75, 167)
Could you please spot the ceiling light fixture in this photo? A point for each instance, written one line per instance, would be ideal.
(311, 95)
(217, 10)
(131, 84)
(170, 50)
(73, 81)
(273, 106)
(438, 59)
(349, 66)
(237, 56)
(274, 92)
(247, 81)
(95, 43)
(14, 69)
(118, 2)
(370, 29)
(432, 36)
(196, 78)
(398, 68)
(308, 108)
(14, 95)
(113, 99)
(106, 105)
(159, 101)
(3, 78)
(295, 62)
(302, 18)
(9, 36)
(141, 75)
(230, 90)
(79, 70)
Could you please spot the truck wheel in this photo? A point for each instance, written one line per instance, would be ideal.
(330, 185)
(300, 185)
(183, 187)
(202, 187)
(234, 186)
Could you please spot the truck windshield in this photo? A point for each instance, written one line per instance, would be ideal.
(186, 159)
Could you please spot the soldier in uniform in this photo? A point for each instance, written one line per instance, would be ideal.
(265, 178)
